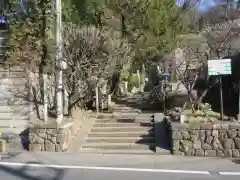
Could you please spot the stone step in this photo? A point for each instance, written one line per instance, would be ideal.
(122, 124)
(130, 120)
(142, 94)
(120, 134)
(11, 98)
(138, 104)
(11, 90)
(13, 102)
(14, 108)
(156, 108)
(18, 91)
(126, 115)
(163, 152)
(13, 123)
(4, 33)
(3, 49)
(140, 100)
(16, 80)
(117, 151)
(121, 106)
(146, 104)
(12, 69)
(10, 85)
(3, 41)
(12, 75)
(133, 101)
(116, 110)
(139, 139)
(17, 74)
(11, 137)
(15, 147)
(13, 81)
(15, 116)
(17, 130)
(17, 143)
(117, 146)
(120, 129)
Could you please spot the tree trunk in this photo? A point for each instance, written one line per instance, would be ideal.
(123, 25)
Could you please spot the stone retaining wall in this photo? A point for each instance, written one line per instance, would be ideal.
(47, 137)
(208, 139)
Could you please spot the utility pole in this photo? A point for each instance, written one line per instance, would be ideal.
(59, 64)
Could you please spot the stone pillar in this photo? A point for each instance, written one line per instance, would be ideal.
(109, 100)
(97, 99)
(238, 115)
(139, 79)
(162, 139)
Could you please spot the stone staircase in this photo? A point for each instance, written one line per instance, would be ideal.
(14, 108)
(3, 43)
(128, 129)
(123, 133)
(140, 102)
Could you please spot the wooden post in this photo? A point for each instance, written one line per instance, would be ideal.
(45, 98)
(221, 97)
(143, 78)
(65, 101)
(29, 83)
(139, 79)
(238, 116)
(125, 86)
(109, 100)
(102, 104)
(97, 99)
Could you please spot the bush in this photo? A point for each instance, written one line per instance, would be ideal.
(133, 80)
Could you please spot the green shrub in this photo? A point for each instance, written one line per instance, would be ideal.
(205, 107)
(133, 80)
(124, 76)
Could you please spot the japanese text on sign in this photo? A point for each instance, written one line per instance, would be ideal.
(219, 67)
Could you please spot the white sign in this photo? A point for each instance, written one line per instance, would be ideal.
(219, 67)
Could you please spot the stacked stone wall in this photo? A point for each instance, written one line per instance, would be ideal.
(207, 139)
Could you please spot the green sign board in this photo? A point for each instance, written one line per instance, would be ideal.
(219, 67)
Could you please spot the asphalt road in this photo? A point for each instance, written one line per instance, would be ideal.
(64, 166)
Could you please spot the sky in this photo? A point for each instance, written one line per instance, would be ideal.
(205, 5)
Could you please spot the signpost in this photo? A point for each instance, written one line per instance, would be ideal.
(218, 68)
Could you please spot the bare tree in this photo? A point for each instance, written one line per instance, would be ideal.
(222, 39)
(92, 56)
(189, 64)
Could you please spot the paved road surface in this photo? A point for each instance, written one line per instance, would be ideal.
(66, 166)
